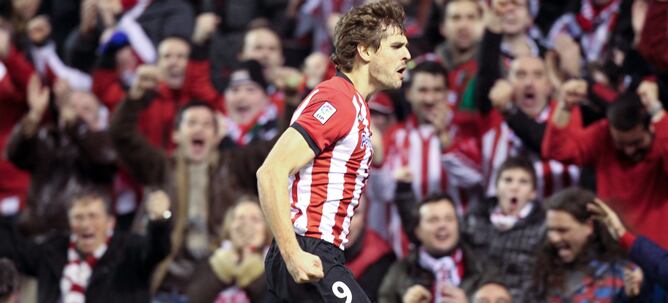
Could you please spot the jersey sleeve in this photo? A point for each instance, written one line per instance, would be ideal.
(322, 122)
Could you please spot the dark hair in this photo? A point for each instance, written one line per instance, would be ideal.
(255, 25)
(427, 67)
(550, 270)
(365, 25)
(255, 74)
(518, 163)
(438, 197)
(627, 112)
(474, 2)
(6, 10)
(91, 193)
(194, 103)
(185, 40)
(493, 281)
(9, 279)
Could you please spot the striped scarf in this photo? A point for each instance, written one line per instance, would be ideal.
(77, 272)
(448, 270)
(505, 222)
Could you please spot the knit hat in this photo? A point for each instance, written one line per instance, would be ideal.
(248, 72)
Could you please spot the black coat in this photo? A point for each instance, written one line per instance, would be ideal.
(121, 275)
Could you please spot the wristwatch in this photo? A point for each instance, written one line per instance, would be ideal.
(164, 216)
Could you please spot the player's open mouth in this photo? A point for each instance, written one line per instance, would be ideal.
(401, 70)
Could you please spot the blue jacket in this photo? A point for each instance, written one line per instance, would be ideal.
(652, 259)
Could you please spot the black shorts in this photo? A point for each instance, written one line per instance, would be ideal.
(338, 285)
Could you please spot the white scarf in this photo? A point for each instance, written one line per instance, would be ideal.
(444, 269)
(505, 222)
(77, 273)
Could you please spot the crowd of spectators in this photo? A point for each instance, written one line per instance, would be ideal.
(131, 132)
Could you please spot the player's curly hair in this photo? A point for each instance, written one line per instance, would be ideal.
(364, 25)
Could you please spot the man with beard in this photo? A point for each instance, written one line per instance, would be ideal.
(311, 182)
(435, 144)
(627, 150)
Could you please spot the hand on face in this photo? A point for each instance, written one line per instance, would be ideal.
(439, 117)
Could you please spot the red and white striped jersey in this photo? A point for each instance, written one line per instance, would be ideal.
(434, 170)
(335, 121)
(500, 142)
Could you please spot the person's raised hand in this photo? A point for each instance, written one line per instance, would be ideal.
(501, 94)
(417, 294)
(403, 175)
(157, 204)
(648, 91)
(5, 43)
(494, 13)
(147, 80)
(603, 213)
(452, 294)
(304, 267)
(573, 93)
(38, 97)
(88, 16)
(638, 15)
(205, 26)
(569, 54)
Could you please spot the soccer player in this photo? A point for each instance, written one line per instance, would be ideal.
(311, 182)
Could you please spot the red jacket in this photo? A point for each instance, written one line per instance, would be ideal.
(638, 191)
(13, 82)
(157, 120)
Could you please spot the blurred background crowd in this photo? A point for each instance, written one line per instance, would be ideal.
(131, 131)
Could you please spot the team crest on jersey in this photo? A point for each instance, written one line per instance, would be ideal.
(324, 112)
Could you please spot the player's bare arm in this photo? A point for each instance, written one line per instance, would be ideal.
(290, 153)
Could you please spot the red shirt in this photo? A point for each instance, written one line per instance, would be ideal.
(15, 71)
(334, 119)
(157, 120)
(637, 191)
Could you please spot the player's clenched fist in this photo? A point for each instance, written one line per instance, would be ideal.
(305, 267)
(147, 80)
